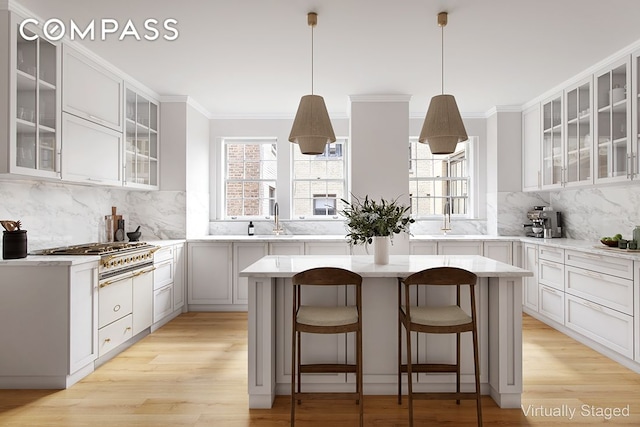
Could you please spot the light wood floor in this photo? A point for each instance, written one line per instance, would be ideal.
(192, 372)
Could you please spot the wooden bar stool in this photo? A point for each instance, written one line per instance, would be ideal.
(325, 320)
(450, 319)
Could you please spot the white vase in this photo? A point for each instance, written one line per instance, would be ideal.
(381, 249)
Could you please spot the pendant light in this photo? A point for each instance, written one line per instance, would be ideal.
(443, 127)
(312, 129)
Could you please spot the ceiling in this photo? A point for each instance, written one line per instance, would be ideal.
(252, 58)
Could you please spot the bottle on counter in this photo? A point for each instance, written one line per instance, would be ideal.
(251, 229)
(636, 234)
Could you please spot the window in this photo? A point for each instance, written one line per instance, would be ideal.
(319, 181)
(250, 176)
(440, 183)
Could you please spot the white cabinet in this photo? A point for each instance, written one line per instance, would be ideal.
(499, 250)
(244, 254)
(90, 152)
(530, 262)
(551, 274)
(578, 147)
(142, 300)
(531, 142)
(613, 147)
(460, 248)
(49, 320)
(90, 91)
(168, 282)
(209, 273)
(30, 93)
(286, 248)
(551, 303)
(423, 248)
(327, 248)
(179, 279)
(141, 140)
(552, 142)
(635, 110)
(608, 327)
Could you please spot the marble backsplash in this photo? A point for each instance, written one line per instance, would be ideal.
(57, 214)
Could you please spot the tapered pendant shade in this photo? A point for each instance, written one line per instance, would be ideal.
(443, 127)
(312, 129)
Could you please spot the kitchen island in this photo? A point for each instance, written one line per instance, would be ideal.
(499, 300)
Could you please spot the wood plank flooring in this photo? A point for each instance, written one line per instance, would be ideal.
(192, 372)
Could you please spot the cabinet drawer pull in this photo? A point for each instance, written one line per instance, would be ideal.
(117, 308)
(592, 306)
(550, 290)
(107, 340)
(592, 274)
(128, 328)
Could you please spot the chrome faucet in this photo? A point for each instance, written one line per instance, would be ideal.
(276, 213)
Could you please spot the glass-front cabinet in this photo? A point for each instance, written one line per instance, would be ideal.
(141, 140)
(32, 142)
(635, 105)
(552, 142)
(613, 123)
(578, 142)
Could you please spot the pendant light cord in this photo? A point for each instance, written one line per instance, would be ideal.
(442, 60)
(312, 59)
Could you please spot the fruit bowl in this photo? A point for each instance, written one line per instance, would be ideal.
(610, 243)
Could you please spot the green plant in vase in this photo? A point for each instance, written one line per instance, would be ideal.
(369, 218)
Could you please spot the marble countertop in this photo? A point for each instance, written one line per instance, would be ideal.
(339, 238)
(399, 265)
(594, 247)
(48, 260)
(168, 242)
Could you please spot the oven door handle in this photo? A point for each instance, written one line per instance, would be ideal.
(141, 272)
(111, 282)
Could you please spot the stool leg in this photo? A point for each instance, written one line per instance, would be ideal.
(477, 376)
(359, 374)
(293, 375)
(458, 365)
(409, 376)
(399, 360)
(299, 362)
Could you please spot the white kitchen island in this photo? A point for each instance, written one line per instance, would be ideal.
(499, 301)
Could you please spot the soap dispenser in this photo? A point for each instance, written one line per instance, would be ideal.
(250, 229)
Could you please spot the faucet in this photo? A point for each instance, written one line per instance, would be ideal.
(277, 229)
(446, 222)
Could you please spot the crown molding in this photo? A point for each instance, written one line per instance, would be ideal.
(186, 99)
(502, 109)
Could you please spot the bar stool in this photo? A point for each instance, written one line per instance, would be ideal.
(325, 320)
(437, 320)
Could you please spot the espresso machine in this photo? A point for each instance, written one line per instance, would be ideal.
(545, 222)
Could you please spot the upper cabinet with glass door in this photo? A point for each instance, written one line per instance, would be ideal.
(578, 142)
(552, 142)
(635, 125)
(31, 145)
(141, 142)
(613, 123)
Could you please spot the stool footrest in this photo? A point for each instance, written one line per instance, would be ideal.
(429, 367)
(446, 396)
(321, 368)
(327, 396)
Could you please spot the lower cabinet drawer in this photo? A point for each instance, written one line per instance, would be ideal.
(551, 274)
(551, 303)
(610, 291)
(163, 274)
(608, 327)
(162, 302)
(114, 334)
